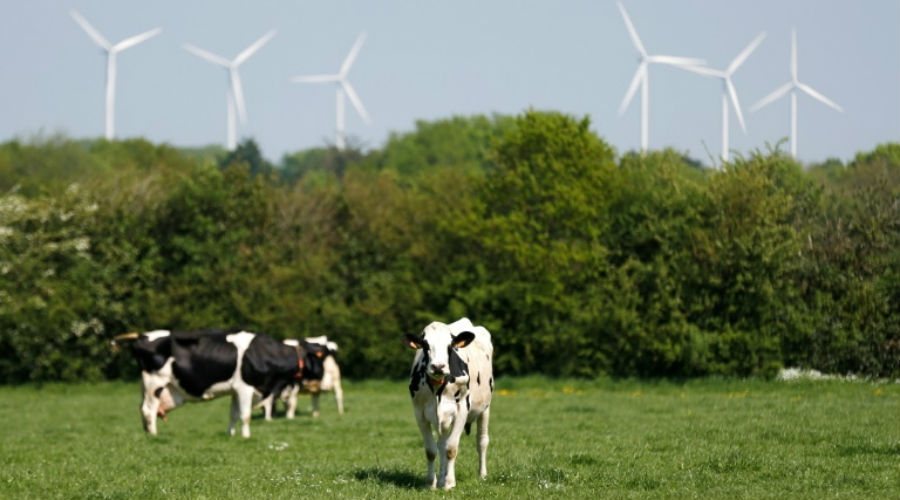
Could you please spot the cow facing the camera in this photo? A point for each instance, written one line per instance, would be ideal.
(331, 376)
(177, 367)
(328, 379)
(451, 385)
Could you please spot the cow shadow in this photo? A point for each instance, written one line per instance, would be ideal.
(396, 477)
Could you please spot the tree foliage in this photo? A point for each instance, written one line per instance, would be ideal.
(579, 261)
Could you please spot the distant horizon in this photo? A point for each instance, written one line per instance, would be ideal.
(431, 61)
(705, 160)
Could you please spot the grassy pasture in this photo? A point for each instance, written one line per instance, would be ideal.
(549, 439)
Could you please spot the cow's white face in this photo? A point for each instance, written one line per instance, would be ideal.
(437, 340)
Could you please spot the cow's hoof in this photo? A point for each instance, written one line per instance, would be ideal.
(448, 487)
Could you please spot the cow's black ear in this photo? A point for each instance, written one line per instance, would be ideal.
(412, 341)
(463, 339)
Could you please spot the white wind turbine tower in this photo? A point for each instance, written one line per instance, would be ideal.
(235, 95)
(728, 90)
(342, 87)
(641, 76)
(111, 52)
(793, 86)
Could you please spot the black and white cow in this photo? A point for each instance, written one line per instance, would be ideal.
(320, 373)
(330, 379)
(177, 367)
(331, 376)
(451, 385)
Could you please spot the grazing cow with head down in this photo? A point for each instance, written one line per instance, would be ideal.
(195, 366)
(451, 385)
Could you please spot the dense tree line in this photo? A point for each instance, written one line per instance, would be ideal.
(580, 261)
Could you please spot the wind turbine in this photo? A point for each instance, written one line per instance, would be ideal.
(342, 86)
(235, 96)
(728, 90)
(111, 52)
(641, 76)
(793, 86)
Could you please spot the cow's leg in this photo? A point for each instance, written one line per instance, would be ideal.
(339, 395)
(149, 409)
(483, 440)
(150, 403)
(268, 404)
(279, 390)
(450, 450)
(430, 447)
(265, 403)
(244, 397)
(442, 451)
(235, 413)
(315, 404)
(291, 404)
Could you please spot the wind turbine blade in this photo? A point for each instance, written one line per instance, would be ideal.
(734, 101)
(703, 70)
(316, 79)
(631, 31)
(736, 63)
(131, 42)
(209, 56)
(676, 61)
(354, 51)
(816, 95)
(639, 75)
(355, 100)
(765, 101)
(249, 51)
(238, 95)
(794, 54)
(93, 33)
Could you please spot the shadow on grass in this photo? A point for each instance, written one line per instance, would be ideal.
(396, 477)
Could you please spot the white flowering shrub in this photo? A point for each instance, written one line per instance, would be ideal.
(49, 292)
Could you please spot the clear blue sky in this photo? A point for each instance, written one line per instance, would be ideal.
(429, 59)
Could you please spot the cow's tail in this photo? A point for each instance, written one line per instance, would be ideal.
(122, 336)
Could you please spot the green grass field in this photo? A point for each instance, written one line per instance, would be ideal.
(718, 439)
